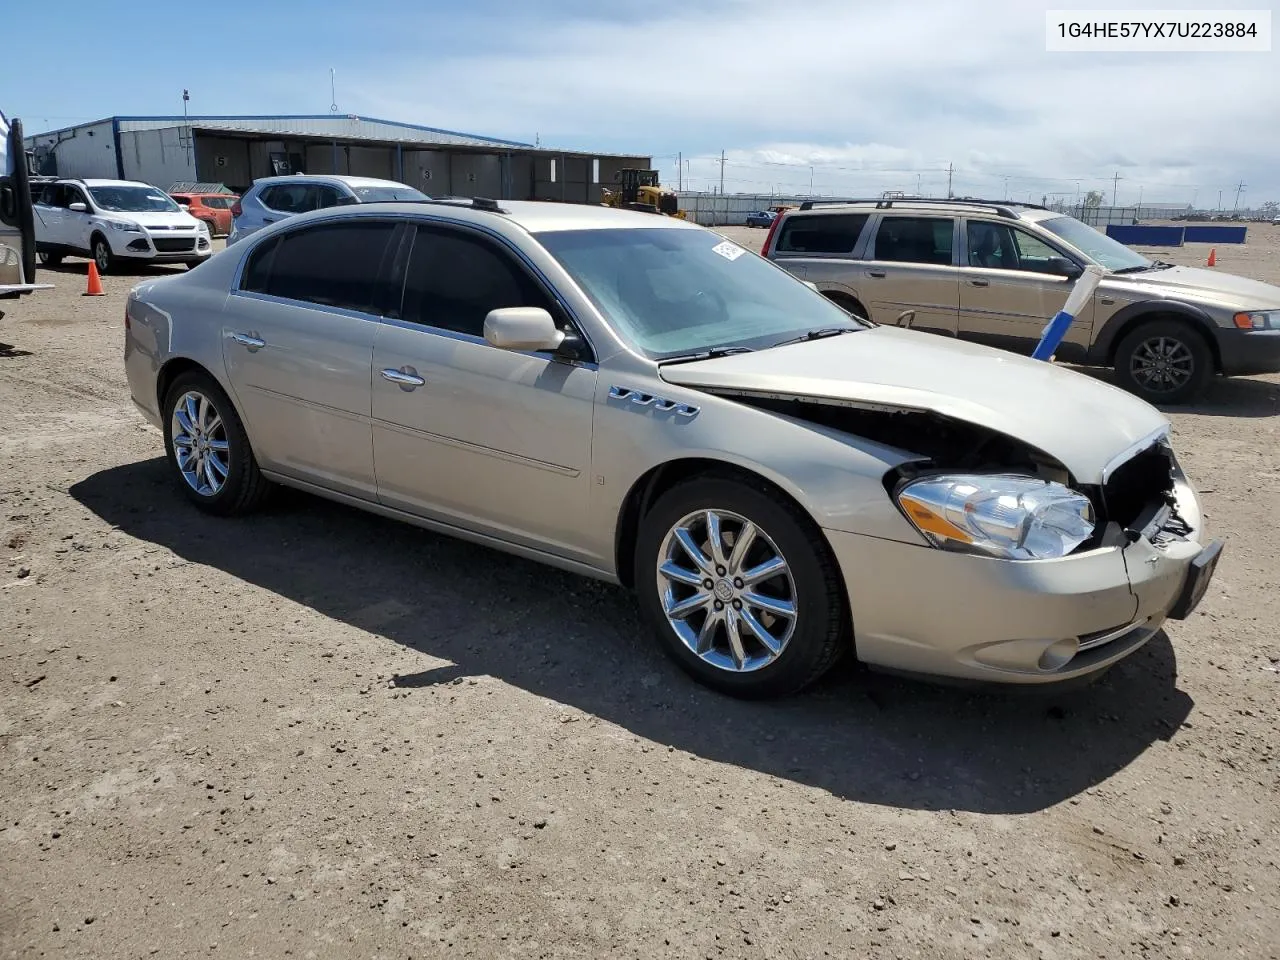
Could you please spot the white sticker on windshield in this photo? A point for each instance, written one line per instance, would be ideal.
(728, 250)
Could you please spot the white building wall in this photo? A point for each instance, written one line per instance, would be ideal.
(159, 157)
(86, 151)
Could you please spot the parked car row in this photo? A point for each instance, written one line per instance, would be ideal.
(996, 272)
(113, 221)
(779, 479)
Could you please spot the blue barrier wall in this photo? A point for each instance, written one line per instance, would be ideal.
(1140, 236)
(1215, 234)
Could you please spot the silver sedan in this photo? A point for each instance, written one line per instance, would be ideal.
(638, 399)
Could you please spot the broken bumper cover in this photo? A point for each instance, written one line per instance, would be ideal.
(920, 610)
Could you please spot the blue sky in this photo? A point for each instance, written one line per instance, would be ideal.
(851, 96)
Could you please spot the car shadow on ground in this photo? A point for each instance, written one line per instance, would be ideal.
(858, 735)
(77, 267)
(1224, 397)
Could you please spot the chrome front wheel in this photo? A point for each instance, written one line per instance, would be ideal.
(726, 590)
(739, 586)
(200, 445)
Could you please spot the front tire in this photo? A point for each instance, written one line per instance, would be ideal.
(740, 588)
(50, 259)
(207, 448)
(1164, 362)
(101, 254)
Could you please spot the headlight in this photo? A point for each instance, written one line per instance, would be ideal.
(124, 227)
(1258, 320)
(1015, 518)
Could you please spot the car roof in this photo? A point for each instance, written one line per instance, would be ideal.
(535, 216)
(1009, 209)
(329, 178)
(97, 182)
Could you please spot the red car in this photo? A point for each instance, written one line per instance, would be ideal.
(213, 208)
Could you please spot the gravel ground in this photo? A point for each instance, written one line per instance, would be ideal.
(316, 733)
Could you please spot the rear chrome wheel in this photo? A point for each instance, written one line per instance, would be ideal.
(726, 590)
(208, 449)
(739, 586)
(200, 445)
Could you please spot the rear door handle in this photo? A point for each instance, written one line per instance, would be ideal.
(268, 219)
(253, 343)
(979, 283)
(875, 273)
(406, 379)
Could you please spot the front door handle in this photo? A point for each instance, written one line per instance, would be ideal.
(244, 339)
(979, 283)
(406, 378)
(875, 273)
(268, 219)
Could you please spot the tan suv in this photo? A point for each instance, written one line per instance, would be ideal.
(996, 272)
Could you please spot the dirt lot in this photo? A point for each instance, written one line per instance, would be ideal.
(319, 734)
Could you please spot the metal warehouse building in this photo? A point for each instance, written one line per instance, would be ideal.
(237, 150)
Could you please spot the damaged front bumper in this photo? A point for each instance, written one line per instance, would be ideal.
(921, 610)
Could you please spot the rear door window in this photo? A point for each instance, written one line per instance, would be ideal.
(915, 240)
(330, 265)
(826, 233)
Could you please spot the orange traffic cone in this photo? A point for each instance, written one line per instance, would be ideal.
(1213, 257)
(95, 282)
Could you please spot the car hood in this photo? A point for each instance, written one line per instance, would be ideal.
(155, 219)
(1083, 423)
(1211, 285)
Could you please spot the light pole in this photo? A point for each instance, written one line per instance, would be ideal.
(186, 123)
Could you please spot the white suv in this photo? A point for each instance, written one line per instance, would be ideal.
(274, 198)
(116, 220)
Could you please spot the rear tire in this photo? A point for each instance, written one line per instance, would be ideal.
(1164, 362)
(802, 646)
(50, 259)
(210, 459)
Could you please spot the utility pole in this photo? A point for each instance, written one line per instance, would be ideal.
(722, 173)
(917, 184)
(186, 124)
(680, 171)
(1114, 187)
(949, 169)
(1139, 200)
(811, 181)
(1219, 201)
(1239, 190)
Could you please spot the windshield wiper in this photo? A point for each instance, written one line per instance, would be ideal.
(711, 354)
(818, 334)
(1137, 269)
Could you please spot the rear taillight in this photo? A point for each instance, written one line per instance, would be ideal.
(768, 237)
(235, 209)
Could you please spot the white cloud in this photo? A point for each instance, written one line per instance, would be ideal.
(863, 92)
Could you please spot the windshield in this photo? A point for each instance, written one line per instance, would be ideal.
(672, 292)
(1095, 244)
(133, 200)
(374, 194)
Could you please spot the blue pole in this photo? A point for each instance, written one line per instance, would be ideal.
(1056, 329)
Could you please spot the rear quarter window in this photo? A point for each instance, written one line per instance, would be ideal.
(827, 233)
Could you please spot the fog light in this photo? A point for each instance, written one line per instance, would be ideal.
(1059, 653)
